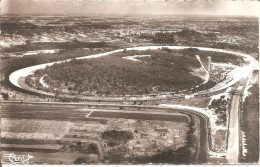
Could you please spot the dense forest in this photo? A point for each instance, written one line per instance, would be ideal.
(250, 125)
(28, 46)
(116, 76)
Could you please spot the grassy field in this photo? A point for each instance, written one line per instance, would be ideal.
(219, 140)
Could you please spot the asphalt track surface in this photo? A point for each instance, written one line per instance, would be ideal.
(233, 147)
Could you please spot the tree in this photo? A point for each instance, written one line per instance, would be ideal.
(80, 161)
(147, 91)
(5, 95)
(28, 42)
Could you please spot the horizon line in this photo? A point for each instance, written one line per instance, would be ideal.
(105, 14)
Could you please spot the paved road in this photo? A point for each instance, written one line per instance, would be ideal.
(233, 147)
(234, 126)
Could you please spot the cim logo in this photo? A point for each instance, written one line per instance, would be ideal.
(18, 159)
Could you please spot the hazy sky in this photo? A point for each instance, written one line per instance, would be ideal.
(84, 7)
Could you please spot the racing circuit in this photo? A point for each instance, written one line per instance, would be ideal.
(236, 75)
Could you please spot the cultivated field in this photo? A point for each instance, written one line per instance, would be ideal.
(87, 133)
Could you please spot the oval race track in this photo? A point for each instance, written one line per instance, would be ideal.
(16, 76)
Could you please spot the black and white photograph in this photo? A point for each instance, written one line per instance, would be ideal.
(129, 82)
